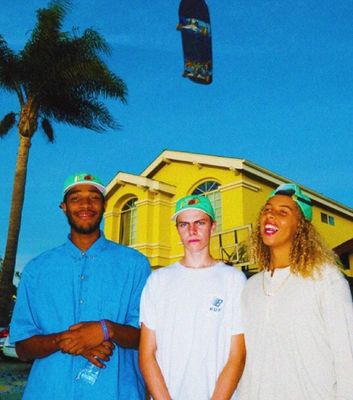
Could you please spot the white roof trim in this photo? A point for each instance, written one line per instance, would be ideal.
(168, 156)
(123, 178)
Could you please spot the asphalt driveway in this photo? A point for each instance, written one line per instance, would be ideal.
(13, 378)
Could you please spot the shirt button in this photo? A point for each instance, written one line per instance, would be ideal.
(82, 277)
(82, 301)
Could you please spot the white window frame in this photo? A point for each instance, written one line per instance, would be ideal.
(128, 215)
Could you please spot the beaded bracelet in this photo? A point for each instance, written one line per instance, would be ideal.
(105, 329)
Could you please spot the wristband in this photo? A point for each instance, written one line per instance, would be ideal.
(105, 329)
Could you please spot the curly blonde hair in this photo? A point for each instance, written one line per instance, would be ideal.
(308, 252)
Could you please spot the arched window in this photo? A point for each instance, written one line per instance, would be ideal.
(210, 190)
(128, 223)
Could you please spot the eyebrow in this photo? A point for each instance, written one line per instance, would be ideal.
(285, 206)
(190, 222)
(73, 192)
(279, 205)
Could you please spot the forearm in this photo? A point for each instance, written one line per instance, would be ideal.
(37, 346)
(124, 335)
(153, 377)
(227, 381)
(229, 377)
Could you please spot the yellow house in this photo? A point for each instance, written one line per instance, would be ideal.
(139, 207)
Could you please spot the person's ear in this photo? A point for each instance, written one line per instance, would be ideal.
(213, 226)
(63, 206)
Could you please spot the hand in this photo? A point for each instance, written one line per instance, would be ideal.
(80, 338)
(101, 352)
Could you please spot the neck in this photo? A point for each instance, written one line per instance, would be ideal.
(279, 259)
(197, 260)
(84, 241)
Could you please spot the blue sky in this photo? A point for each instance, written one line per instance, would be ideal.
(282, 97)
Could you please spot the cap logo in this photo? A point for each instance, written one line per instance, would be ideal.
(88, 178)
(193, 201)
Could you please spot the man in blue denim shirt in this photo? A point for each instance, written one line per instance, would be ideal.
(79, 302)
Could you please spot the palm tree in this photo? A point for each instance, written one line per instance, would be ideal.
(58, 76)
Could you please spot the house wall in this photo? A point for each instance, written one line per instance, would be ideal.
(242, 196)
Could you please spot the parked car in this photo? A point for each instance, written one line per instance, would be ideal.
(9, 349)
(4, 333)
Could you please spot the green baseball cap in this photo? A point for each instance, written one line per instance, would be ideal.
(293, 191)
(83, 178)
(194, 202)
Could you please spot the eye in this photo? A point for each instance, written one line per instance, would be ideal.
(200, 223)
(95, 197)
(182, 224)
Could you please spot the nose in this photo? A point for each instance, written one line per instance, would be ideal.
(192, 228)
(270, 214)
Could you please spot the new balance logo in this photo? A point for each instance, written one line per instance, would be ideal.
(216, 304)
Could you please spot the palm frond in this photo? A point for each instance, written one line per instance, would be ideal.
(48, 129)
(41, 49)
(64, 74)
(8, 66)
(90, 114)
(7, 123)
(92, 42)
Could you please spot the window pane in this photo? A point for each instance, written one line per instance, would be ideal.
(128, 217)
(331, 220)
(324, 218)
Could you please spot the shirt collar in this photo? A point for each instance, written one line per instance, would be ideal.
(95, 248)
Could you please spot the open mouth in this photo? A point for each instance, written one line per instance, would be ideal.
(270, 229)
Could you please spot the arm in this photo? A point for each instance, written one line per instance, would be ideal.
(37, 346)
(124, 335)
(228, 379)
(149, 365)
(40, 346)
(84, 336)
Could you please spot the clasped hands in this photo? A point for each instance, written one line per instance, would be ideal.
(86, 339)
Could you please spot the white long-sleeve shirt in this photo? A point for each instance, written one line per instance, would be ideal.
(299, 337)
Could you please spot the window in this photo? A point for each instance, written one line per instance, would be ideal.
(327, 219)
(128, 223)
(210, 190)
(324, 218)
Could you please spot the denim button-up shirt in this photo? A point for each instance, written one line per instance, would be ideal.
(64, 286)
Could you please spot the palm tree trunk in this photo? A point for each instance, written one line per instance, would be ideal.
(7, 288)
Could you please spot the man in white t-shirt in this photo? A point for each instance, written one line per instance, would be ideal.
(192, 345)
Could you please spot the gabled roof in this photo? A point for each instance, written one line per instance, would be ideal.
(123, 178)
(247, 167)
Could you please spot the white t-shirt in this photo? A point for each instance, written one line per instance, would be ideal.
(194, 313)
(299, 337)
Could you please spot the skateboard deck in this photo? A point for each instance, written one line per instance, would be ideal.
(195, 26)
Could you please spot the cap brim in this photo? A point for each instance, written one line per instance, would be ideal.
(174, 217)
(101, 188)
